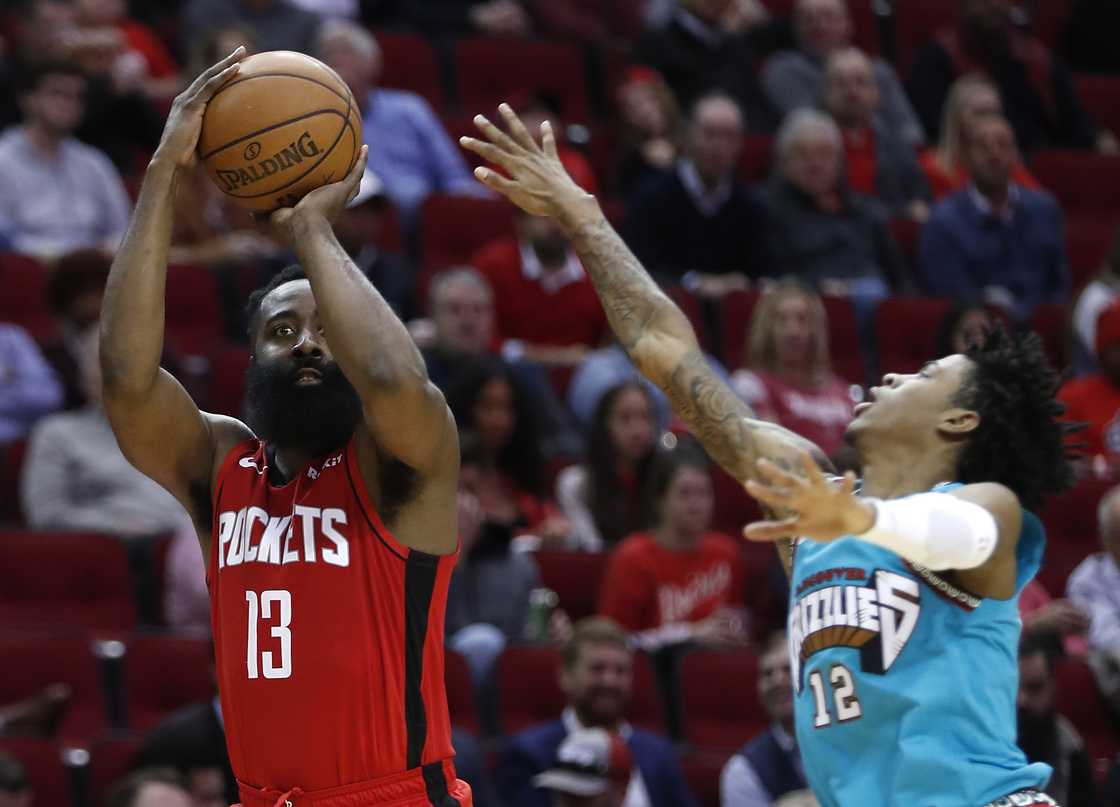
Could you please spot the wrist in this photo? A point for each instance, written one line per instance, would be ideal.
(862, 517)
(164, 164)
(578, 211)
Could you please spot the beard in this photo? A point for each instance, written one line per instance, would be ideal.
(317, 419)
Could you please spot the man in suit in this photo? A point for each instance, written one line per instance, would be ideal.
(596, 677)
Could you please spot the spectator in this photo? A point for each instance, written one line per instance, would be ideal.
(36, 715)
(679, 582)
(971, 99)
(1095, 584)
(964, 324)
(408, 146)
(75, 477)
(794, 79)
(879, 162)
(699, 223)
(597, 679)
(276, 24)
(1095, 399)
(1046, 736)
(507, 478)
(826, 235)
(769, 766)
(138, 56)
(995, 242)
(15, 786)
(547, 309)
(29, 388)
(458, 17)
(186, 598)
(57, 194)
(593, 769)
(789, 380)
(488, 599)
(1037, 90)
(648, 123)
(602, 497)
(1059, 624)
(1098, 294)
(150, 787)
(74, 290)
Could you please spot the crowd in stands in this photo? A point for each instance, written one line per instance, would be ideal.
(830, 189)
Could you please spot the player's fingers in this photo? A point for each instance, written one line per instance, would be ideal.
(810, 467)
(495, 181)
(849, 483)
(774, 496)
(770, 530)
(777, 475)
(218, 68)
(206, 92)
(516, 128)
(488, 151)
(548, 138)
(496, 135)
(354, 178)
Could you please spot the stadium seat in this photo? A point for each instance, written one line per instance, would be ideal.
(193, 310)
(1070, 519)
(24, 300)
(460, 692)
(718, 699)
(1051, 322)
(42, 759)
(702, 769)
(757, 158)
(454, 228)
(736, 310)
(11, 463)
(1049, 22)
(734, 509)
(110, 760)
(915, 22)
(227, 380)
(906, 329)
(34, 660)
(78, 579)
(410, 63)
(490, 71)
(529, 690)
(1080, 700)
(575, 577)
(1101, 96)
(906, 232)
(1088, 239)
(165, 673)
(1081, 180)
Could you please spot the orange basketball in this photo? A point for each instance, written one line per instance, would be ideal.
(285, 125)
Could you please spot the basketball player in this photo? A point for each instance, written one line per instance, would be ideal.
(904, 619)
(328, 523)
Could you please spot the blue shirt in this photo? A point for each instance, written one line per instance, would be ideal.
(29, 387)
(905, 685)
(965, 250)
(411, 152)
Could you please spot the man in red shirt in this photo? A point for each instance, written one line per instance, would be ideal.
(1095, 399)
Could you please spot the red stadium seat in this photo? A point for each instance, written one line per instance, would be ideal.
(227, 380)
(1082, 181)
(906, 329)
(460, 692)
(905, 232)
(1071, 531)
(109, 762)
(575, 577)
(490, 71)
(720, 707)
(735, 314)
(1049, 22)
(193, 310)
(36, 660)
(1088, 239)
(88, 584)
(1051, 322)
(164, 673)
(734, 509)
(11, 463)
(702, 769)
(915, 23)
(530, 693)
(454, 228)
(410, 63)
(757, 158)
(24, 300)
(1080, 700)
(42, 760)
(1101, 96)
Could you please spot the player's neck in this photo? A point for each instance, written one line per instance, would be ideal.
(288, 462)
(901, 470)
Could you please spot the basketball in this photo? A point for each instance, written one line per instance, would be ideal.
(283, 126)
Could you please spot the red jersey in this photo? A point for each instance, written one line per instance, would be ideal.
(648, 586)
(1095, 401)
(328, 632)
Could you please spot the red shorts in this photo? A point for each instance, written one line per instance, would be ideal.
(433, 785)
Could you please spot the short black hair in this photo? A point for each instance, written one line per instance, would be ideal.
(125, 792)
(1033, 643)
(253, 305)
(31, 76)
(76, 273)
(1021, 441)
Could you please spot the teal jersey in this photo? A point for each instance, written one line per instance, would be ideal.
(904, 684)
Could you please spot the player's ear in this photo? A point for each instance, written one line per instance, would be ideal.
(958, 422)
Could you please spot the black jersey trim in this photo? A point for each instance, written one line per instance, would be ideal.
(435, 786)
(365, 515)
(420, 571)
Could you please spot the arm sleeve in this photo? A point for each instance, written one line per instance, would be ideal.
(739, 785)
(625, 595)
(571, 487)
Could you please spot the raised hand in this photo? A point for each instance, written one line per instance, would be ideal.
(179, 142)
(536, 181)
(819, 509)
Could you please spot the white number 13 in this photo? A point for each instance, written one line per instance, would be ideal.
(281, 631)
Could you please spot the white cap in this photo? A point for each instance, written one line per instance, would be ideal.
(586, 763)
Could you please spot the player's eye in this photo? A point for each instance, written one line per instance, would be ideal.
(283, 330)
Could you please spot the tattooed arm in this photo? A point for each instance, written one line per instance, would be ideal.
(652, 329)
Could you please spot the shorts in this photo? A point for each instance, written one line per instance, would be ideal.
(1024, 798)
(433, 785)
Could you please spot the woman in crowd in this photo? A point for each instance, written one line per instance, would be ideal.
(648, 124)
(602, 498)
(787, 378)
(971, 98)
(679, 582)
(962, 325)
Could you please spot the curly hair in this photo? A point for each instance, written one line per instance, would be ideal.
(253, 304)
(1020, 442)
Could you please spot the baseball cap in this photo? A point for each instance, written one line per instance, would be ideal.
(371, 187)
(587, 763)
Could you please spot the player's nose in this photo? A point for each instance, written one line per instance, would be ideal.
(310, 343)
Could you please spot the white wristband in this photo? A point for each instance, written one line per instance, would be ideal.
(935, 530)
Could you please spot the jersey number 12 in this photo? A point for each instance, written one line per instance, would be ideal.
(843, 693)
(275, 604)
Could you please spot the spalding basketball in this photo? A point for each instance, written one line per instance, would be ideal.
(283, 126)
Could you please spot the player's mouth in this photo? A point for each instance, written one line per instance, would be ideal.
(308, 377)
(861, 408)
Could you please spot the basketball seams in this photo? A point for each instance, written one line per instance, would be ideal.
(267, 129)
(278, 74)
